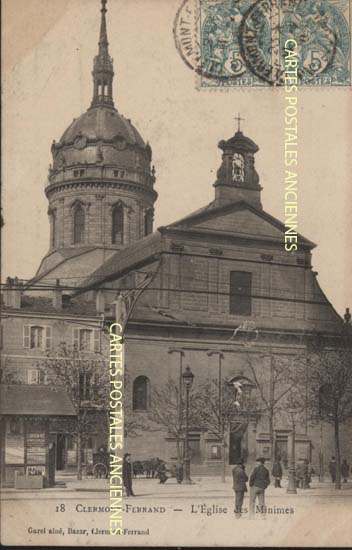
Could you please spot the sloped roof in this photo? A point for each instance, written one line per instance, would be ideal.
(65, 253)
(131, 255)
(21, 399)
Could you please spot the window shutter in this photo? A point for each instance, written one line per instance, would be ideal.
(96, 340)
(48, 338)
(26, 336)
(76, 338)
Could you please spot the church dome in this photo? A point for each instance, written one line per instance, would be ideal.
(101, 124)
(239, 142)
(101, 135)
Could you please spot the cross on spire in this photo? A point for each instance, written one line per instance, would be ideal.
(239, 119)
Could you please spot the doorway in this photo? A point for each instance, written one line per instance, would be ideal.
(60, 451)
(238, 442)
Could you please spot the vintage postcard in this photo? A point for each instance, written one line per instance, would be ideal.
(176, 335)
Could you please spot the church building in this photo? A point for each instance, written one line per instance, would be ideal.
(215, 291)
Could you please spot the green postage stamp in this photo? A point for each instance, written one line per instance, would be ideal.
(242, 43)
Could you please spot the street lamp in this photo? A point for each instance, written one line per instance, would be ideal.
(187, 377)
(292, 485)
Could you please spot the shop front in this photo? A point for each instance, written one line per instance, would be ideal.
(28, 456)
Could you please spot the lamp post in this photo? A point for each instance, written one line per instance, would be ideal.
(187, 377)
(221, 412)
(292, 488)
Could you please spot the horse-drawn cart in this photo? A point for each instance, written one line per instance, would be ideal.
(101, 465)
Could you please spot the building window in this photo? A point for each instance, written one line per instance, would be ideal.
(117, 224)
(85, 386)
(148, 222)
(15, 426)
(86, 339)
(119, 173)
(70, 442)
(37, 337)
(53, 230)
(78, 173)
(141, 393)
(36, 376)
(78, 225)
(215, 452)
(240, 293)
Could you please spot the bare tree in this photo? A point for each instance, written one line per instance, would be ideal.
(274, 387)
(167, 410)
(84, 375)
(330, 390)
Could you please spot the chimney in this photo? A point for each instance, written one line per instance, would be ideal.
(57, 296)
(12, 293)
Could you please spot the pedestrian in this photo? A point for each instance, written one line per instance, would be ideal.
(127, 474)
(309, 474)
(258, 482)
(298, 475)
(345, 470)
(276, 472)
(332, 469)
(240, 479)
(179, 471)
(162, 475)
(304, 474)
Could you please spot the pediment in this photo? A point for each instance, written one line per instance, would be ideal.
(238, 219)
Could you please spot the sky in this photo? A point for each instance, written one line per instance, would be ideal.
(47, 82)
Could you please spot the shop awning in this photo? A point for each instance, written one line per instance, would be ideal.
(35, 400)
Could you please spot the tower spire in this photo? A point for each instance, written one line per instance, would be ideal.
(103, 41)
(103, 71)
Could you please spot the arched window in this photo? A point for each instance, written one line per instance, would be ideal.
(141, 393)
(53, 230)
(148, 222)
(78, 225)
(100, 88)
(117, 224)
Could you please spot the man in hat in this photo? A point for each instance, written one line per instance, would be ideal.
(127, 474)
(258, 482)
(239, 486)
